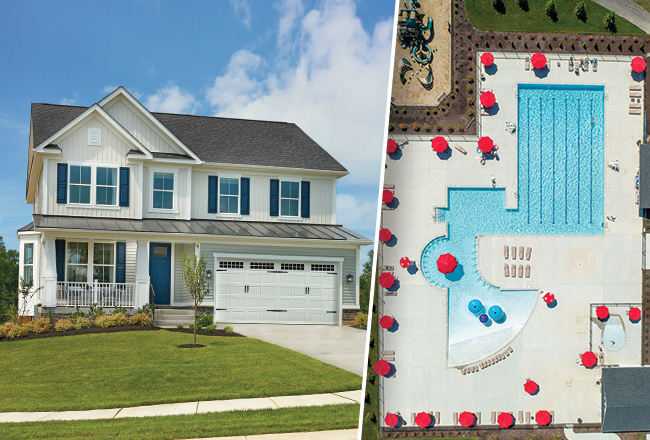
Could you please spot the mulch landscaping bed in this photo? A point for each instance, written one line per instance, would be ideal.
(536, 433)
(127, 328)
(452, 116)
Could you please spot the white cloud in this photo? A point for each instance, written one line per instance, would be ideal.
(335, 90)
(356, 214)
(171, 99)
(70, 101)
(243, 9)
(18, 127)
(290, 12)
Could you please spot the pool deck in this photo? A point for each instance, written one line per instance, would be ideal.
(579, 270)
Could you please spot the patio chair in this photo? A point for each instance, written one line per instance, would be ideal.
(506, 270)
(505, 251)
(529, 251)
(513, 252)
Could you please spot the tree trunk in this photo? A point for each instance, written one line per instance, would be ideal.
(194, 324)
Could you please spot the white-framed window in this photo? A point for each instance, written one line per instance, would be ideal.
(106, 186)
(322, 268)
(229, 195)
(80, 183)
(104, 262)
(28, 263)
(262, 265)
(163, 190)
(77, 261)
(289, 198)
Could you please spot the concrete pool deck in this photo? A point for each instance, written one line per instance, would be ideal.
(579, 270)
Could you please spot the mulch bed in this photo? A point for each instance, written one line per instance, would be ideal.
(537, 433)
(466, 41)
(128, 328)
(190, 346)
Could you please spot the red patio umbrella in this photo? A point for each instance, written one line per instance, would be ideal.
(382, 367)
(486, 144)
(487, 59)
(488, 99)
(548, 298)
(467, 419)
(543, 417)
(634, 314)
(387, 196)
(439, 144)
(405, 262)
(447, 263)
(602, 312)
(531, 387)
(385, 235)
(386, 322)
(638, 64)
(391, 146)
(391, 420)
(589, 359)
(386, 280)
(423, 420)
(505, 420)
(538, 60)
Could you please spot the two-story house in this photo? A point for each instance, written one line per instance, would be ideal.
(120, 193)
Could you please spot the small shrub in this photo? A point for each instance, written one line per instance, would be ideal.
(191, 326)
(452, 96)
(470, 112)
(140, 319)
(620, 47)
(361, 320)
(512, 44)
(76, 314)
(372, 341)
(371, 377)
(204, 320)
(179, 326)
(94, 311)
(404, 111)
(434, 111)
(590, 37)
(456, 89)
(470, 101)
(561, 45)
(228, 330)
(610, 21)
(470, 79)
(402, 127)
(581, 11)
(81, 322)
(629, 48)
(456, 81)
(3, 331)
(584, 46)
(15, 330)
(390, 127)
(539, 46)
(609, 47)
(210, 328)
(460, 128)
(450, 128)
(427, 111)
(416, 126)
(370, 417)
(427, 128)
(120, 309)
(147, 309)
(438, 127)
(470, 88)
(120, 319)
(63, 325)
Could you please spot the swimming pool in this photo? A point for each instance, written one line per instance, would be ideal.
(560, 192)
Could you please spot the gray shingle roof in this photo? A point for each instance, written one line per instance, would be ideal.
(200, 227)
(625, 399)
(216, 140)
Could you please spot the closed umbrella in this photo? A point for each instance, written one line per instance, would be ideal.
(638, 64)
(391, 146)
(589, 359)
(602, 312)
(391, 420)
(505, 420)
(487, 59)
(385, 235)
(423, 420)
(467, 419)
(386, 280)
(543, 417)
(538, 60)
(486, 144)
(387, 196)
(382, 367)
(488, 99)
(439, 144)
(531, 387)
(386, 322)
(447, 263)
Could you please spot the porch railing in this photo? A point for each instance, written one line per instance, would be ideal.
(103, 294)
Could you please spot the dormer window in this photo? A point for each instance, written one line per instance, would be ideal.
(95, 136)
(163, 190)
(289, 198)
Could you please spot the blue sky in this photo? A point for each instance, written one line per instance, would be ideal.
(321, 64)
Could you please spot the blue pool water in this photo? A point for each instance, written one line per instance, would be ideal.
(560, 192)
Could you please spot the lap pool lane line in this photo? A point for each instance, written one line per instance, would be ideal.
(552, 138)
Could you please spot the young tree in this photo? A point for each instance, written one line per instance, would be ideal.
(610, 22)
(581, 11)
(194, 276)
(551, 9)
(499, 6)
(25, 295)
(523, 4)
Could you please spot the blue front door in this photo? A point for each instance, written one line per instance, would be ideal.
(160, 271)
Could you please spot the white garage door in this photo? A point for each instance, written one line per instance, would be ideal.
(276, 292)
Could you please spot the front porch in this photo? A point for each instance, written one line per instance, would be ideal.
(80, 294)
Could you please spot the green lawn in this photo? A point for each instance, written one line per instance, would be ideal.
(483, 16)
(316, 418)
(138, 368)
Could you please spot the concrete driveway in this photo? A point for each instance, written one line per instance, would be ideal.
(336, 345)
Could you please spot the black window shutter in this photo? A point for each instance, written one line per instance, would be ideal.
(124, 186)
(59, 246)
(275, 198)
(245, 200)
(213, 194)
(120, 262)
(304, 199)
(62, 183)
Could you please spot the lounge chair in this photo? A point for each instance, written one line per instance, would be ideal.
(506, 270)
(505, 251)
(388, 353)
(455, 418)
(635, 111)
(521, 252)
(527, 63)
(461, 149)
(636, 88)
(436, 418)
(513, 270)
(527, 271)
(389, 358)
(594, 64)
(513, 252)
(493, 417)
(520, 417)
(510, 349)
(570, 64)
(529, 251)
(389, 186)
(528, 417)
(635, 94)
(478, 418)
(520, 274)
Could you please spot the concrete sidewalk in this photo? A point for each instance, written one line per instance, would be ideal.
(343, 434)
(629, 10)
(173, 409)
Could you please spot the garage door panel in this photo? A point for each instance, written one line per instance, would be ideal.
(298, 303)
(255, 277)
(283, 303)
(255, 290)
(254, 303)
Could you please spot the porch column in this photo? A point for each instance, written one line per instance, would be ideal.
(142, 274)
(49, 273)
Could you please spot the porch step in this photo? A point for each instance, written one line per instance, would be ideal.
(173, 317)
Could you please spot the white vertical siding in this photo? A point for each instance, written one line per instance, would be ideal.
(181, 295)
(38, 201)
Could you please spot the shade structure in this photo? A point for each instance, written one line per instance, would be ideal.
(495, 312)
(439, 144)
(543, 417)
(382, 367)
(391, 420)
(487, 59)
(467, 419)
(387, 196)
(638, 64)
(486, 144)
(386, 322)
(423, 420)
(602, 312)
(635, 314)
(538, 60)
(447, 263)
(548, 298)
(589, 359)
(531, 387)
(488, 99)
(404, 262)
(475, 306)
(385, 235)
(391, 146)
(386, 280)
(505, 420)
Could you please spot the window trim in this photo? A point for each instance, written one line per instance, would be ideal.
(113, 265)
(293, 180)
(91, 264)
(93, 184)
(229, 176)
(174, 209)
